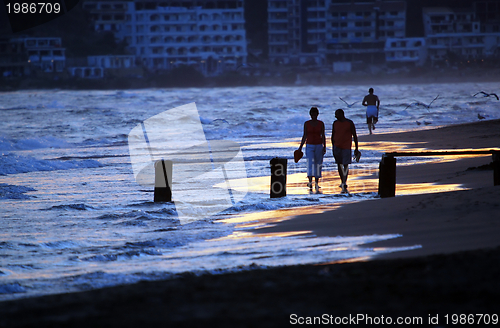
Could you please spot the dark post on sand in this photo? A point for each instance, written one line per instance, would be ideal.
(496, 168)
(387, 177)
(278, 177)
(163, 181)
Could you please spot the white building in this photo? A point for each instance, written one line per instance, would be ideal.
(45, 54)
(86, 72)
(112, 61)
(208, 35)
(404, 51)
(457, 33)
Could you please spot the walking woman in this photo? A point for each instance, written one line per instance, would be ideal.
(314, 137)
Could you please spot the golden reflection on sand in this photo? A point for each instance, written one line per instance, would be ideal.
(270, 218)
(297, 183)
(360, 181)
(352, 260)
(387, 147)
(425, 188)
(244, 234)
(286, 144)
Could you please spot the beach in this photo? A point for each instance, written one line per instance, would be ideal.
(453, 271)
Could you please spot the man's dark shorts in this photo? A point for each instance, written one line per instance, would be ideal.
(342, 156)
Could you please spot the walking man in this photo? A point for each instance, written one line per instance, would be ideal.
(343, 132)
(372, 104)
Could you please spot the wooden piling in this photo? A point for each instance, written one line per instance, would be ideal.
(163, 181)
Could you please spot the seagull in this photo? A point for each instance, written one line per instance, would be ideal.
(487, 94)
(347, 103)
(418, 123)
(481, 117)
(418, 103)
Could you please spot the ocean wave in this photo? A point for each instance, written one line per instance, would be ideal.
(14, 164)
(122, 256)
(77, 207)
(14, 192)
(9, 144)
(12, 289)
(157, 243)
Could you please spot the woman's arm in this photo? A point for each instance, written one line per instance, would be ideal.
(304, 137)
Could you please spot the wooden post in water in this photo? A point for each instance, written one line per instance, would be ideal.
(387, 176)
(278, 177)
(496, 168)
(163, 181)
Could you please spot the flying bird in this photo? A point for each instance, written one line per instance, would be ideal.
(487, 94)
(348, 105)
(481, 117)
(419, 103)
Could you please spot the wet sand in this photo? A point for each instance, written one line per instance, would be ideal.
(455, 271)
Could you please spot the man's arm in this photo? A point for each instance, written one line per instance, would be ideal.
(333, 133)
(355, 136)
(324, 138)
(378, 103)
(364, 103)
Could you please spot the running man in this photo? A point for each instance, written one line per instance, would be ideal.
(343, 131)
(372, 104)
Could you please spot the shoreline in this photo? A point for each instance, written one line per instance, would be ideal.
(289, 78)
(454, 272)
(443, 222)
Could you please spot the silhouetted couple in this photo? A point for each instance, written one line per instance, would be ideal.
(343, 132)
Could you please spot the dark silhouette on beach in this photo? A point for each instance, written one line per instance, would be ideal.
(343, 132)
(314, 137)
(372, 104)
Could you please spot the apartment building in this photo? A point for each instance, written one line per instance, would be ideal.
(22, 55)
(456, 33)
(297, 31)
(208, 35)
(405, 51)
(320, 32)
(107, 15)
(357, 31)
(13, 58)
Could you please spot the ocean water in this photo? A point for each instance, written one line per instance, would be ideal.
(73, 216)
